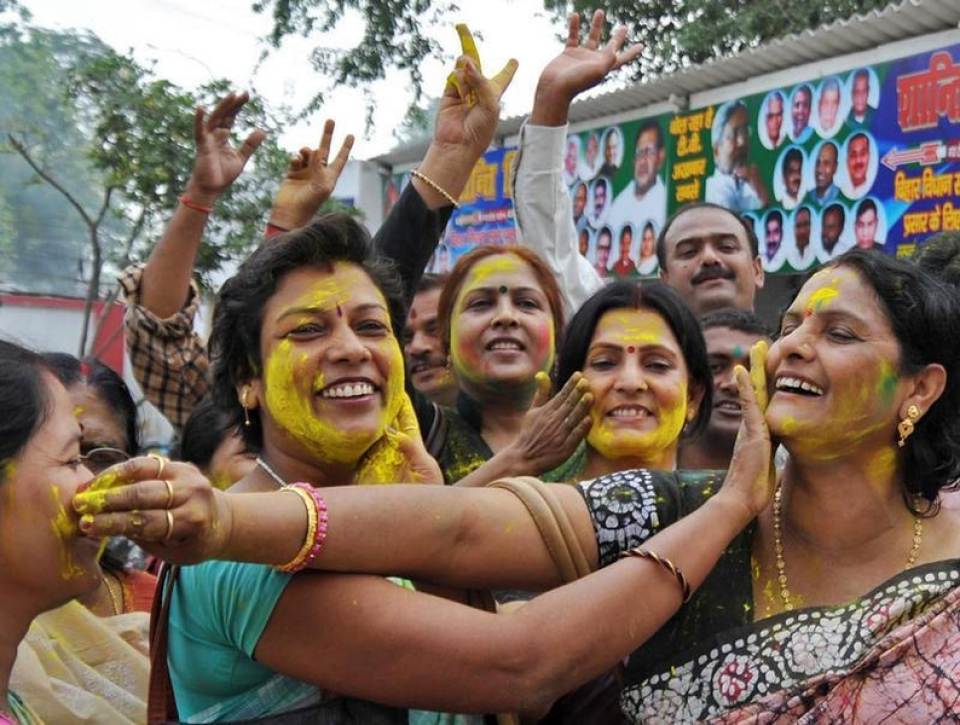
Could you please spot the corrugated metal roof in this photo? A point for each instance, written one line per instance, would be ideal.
(897, 21)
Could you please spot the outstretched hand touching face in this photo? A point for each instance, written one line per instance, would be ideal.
(218, 163)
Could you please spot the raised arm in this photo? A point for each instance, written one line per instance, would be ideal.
(543, 207)
(466, 121)
(166, 277)
(388, 644)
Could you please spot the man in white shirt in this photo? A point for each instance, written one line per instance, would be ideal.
(645, 198)
(735, 183)
(858, 165)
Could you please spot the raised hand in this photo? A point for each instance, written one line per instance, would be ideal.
(579, 67)
(310, 181)
(218, 164)
(470, 107)
(751, 476)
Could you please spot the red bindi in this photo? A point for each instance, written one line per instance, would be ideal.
(808, 312)
(339, 311)
(631, 349)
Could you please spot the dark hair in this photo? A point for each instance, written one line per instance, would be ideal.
(24, 398)
(793, 154)
(803, 87)
(739, 320)
(598, 183)
(649, 225)
(836, 150)
(238, 317)
(429, 282)
(108, 386)
(650, 125)
(548, 284)
(605, 230)
(865, 206)
(861, 73)
(940, 256)
(693, 206)
(203, 433)
(626, 228)
(923, 311)
(727, 111)
(775, 94)
(775, 214)
(800, 209)
(838, 208)
(663, 300)
(858, 134)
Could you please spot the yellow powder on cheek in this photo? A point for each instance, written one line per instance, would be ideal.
(613, 442)
(65, 529)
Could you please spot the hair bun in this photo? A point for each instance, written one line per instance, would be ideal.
(940, 256)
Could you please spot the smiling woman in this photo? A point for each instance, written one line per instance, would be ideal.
(642, 352)
(43, 561)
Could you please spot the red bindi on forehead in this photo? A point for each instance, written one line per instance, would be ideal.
(631, 349)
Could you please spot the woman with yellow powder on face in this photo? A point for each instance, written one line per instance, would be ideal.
(839, 603)
(501, 320)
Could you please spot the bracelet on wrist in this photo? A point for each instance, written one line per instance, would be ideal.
(417, 174)
(666, 564)
(185, 200)
(316, 527)
(273, 230)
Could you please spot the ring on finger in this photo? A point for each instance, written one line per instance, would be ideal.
(161, 462)
(169, 486)
(137, 522)
(169, 532)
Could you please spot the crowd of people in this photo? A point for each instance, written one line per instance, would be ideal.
(517, 491)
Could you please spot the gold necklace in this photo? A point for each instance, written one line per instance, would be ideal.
(115, 601)
(778, 548)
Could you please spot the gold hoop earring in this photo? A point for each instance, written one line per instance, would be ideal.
(246, 410)
(905, 427)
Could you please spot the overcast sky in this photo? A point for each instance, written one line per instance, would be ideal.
(195, 41)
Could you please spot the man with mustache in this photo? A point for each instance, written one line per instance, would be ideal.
(579, 202)
(824, 190)
(773, 233)
(599, 201)
(705, 251)
(735, 183)
(858, 165)
(422, 346)
(729, 335)
(792, 177)
(865, 225)
(774, 118)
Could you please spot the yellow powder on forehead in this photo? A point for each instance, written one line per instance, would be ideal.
(823, 297)
(495, 264)
(334, 290)
(634, 327)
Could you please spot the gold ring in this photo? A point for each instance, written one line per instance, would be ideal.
(169, 486)
(169, 533)
(161, 462)
(137, 521)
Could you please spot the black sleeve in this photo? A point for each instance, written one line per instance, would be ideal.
(409, 235)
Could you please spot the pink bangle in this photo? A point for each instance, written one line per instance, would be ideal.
(316, 527)
(185, 200)
(273, 230)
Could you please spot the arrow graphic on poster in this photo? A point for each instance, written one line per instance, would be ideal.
(928, 153)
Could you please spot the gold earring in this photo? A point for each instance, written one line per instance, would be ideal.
(246, 410)
(905, 426)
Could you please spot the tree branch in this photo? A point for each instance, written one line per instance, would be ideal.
(21, 149)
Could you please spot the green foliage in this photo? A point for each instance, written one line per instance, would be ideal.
(106, 129)
(417, 125)
(677, 33)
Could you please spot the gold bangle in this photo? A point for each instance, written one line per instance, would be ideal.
(666, 564)
(296, 563)
(417, 174)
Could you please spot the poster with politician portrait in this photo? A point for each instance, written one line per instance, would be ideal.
(836, 230)
(863, 90)
(770, 228)
(801, 104)
(647, 263)
(858, 167)
(802, 238)
(830, 106)
(789, 184)
(611, 143)
(869, 224)
(571, 159)
(600, 193)
(591, 160)
(770, 120)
